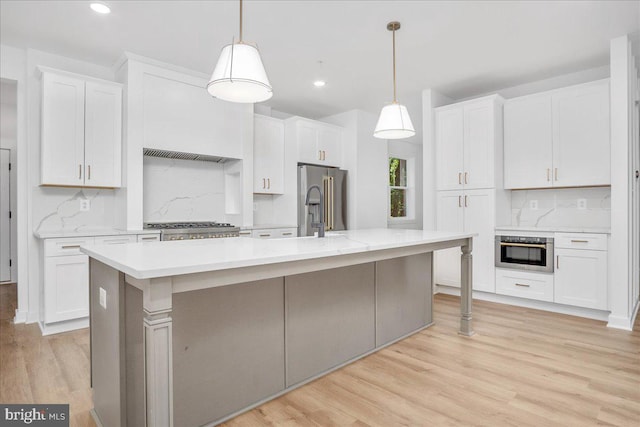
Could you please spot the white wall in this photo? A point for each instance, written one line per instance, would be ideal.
(624, 94)
(9, 141)
(413, 154)
(366, 159)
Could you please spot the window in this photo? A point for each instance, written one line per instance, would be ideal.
(398, 187)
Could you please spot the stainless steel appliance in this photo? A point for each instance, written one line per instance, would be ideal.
(333, 182)
(525, 253)
(193, 230)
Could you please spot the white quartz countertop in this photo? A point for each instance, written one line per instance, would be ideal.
(171, 258)
(268, 226)
(89, 232)
(554, 229)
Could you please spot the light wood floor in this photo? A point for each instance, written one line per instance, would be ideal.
(522, 368)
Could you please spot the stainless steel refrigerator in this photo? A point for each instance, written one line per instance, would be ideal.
(333, 183)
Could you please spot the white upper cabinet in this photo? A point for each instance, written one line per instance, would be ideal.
(81, 131)
(558, 138)
(179, 115)
(318, 143)
(467, 144)
(268, 155)
(449, 149)
(103, 130)
(582, 149)
(528, 146)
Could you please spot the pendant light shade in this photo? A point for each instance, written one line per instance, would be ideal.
(239, 75)
(394, 121)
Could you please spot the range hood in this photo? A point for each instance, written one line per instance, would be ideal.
(152, 152)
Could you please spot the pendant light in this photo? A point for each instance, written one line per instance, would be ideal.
(394, 121)
(239, 75)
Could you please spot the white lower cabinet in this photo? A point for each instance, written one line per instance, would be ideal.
(581, 278)
(524, 284)
(471, 211)
(66, 280)
(66, 288)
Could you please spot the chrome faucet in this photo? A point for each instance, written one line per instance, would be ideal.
(320, 224)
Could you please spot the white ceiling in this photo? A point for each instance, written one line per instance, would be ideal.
(459, 48)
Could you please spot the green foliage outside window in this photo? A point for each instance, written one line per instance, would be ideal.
(398, 190)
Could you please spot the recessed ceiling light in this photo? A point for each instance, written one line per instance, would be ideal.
(100, 8)
(319, 83)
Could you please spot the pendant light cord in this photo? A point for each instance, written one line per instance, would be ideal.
(394, 66)
(240, 41)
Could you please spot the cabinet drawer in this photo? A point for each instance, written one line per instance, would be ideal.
(245, 233)
(283, 233)
(262, 234)
(115, 240)
(148, 238)
(65, 246)
(596, 242)
(538, 286)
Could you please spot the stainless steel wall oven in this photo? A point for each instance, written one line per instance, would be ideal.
(524, 253)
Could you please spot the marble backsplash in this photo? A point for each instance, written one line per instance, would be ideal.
(59, 208)
(182, 190)
(565, 207)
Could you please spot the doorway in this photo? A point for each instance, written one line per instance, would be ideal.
(8, 183)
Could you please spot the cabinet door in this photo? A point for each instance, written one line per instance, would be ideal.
(62, 161)
(66, 288)
(581, 278)
(103, 135)
(449, 150)
(479, 217)
(449, 217)
(479, 136)
(268, 156)
(528, 142)
(307, 143)
(581, 149)
(329, 144)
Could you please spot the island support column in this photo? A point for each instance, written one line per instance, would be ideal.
(466, 289)
(158, 357)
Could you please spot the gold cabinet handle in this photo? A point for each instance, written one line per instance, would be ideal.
(557, 262)
(264, 184)
(79, 171)
(579, 241)
(555, 172)
(265, 235)
(466, 176)
(523, 285)
(89, 172)
(269, 183)
(319, 154)
(548, 174)
(287, 234)
(460, 178)
(149, 238)
(459, 201)
(465, 201)
(71, 247)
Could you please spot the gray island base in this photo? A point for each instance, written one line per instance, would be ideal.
(198, 348)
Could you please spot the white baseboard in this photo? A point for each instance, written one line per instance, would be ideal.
(59, 327)
(20, 317)
(529, 303)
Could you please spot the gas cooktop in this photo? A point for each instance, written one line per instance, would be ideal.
(193, 230)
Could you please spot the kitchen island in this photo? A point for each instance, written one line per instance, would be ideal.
(191, 333)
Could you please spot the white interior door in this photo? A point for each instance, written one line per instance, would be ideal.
(635, 228)
(5, 221)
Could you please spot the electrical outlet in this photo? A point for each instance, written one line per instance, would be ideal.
(103, 298)
(582, 204)
(533, 204)
(85, 205)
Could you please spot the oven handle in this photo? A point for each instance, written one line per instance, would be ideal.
(524, 245)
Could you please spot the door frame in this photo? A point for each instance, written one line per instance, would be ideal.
(11, 243)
